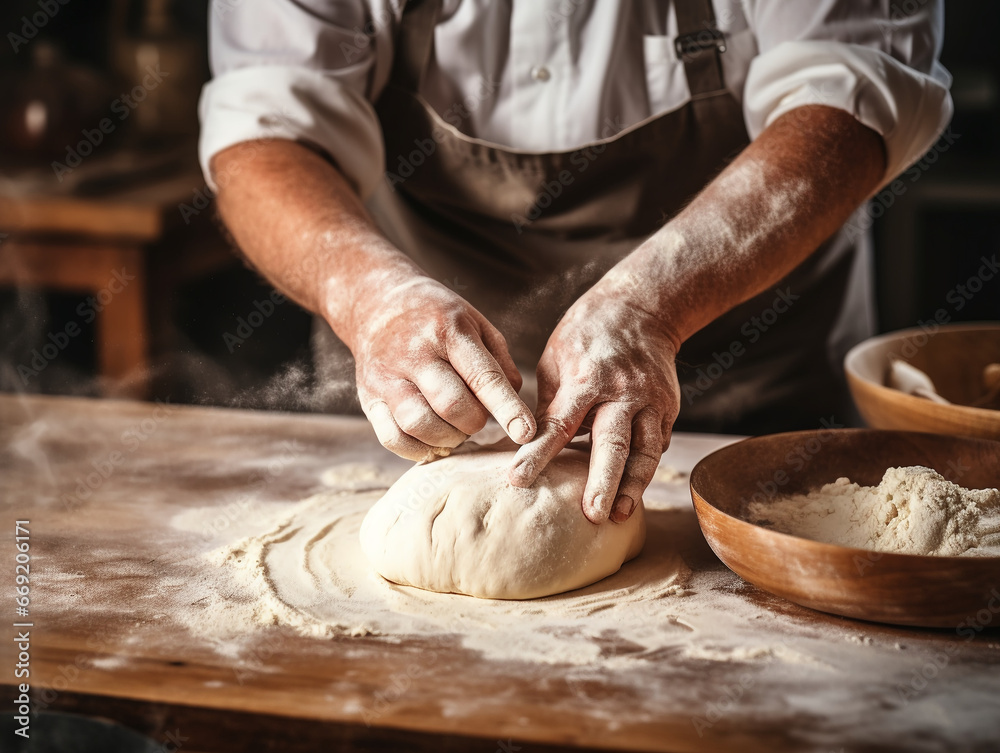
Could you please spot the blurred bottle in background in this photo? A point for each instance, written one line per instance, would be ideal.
(160, 66)
(47, 104)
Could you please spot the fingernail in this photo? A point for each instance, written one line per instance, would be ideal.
(517, 429)
(521, 472)
(597, 509)
(624, 506)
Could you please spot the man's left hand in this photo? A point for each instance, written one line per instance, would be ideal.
(608, 367)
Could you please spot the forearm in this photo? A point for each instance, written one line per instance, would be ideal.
(301, 225)
(788, 191)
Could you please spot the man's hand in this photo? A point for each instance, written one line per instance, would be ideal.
(430, 370)
(608, 367)
(610, 361)
(430, 367)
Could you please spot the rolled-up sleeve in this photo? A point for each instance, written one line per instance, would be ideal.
(303, 70)
(877, 62)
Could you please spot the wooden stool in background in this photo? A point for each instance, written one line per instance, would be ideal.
(126, 251)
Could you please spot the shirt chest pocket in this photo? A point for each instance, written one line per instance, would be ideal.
(666, 84)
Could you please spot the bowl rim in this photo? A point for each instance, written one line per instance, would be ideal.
(822, 546)
(852, 373)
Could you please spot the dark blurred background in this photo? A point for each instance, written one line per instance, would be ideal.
(87, 54)
(207, 334)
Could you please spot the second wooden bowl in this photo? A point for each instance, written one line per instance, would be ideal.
(899, 589)
(953, 357)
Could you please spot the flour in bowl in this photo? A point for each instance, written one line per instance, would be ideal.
(914, 510)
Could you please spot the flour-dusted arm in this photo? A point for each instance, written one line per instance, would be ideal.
(840, 100)
(292, 144)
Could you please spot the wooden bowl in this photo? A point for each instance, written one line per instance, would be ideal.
(900, 589)
(953, 356)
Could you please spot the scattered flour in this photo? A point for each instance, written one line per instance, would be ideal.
(300, 565)
(304, 568)
(667, 474)
(357, 476)
(914, 510)
(108, 662)
(754, 654)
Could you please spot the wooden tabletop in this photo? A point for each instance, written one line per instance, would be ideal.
(105, 640)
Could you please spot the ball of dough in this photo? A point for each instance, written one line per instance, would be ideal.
(456, 526)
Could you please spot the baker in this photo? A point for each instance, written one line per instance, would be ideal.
(614, 194)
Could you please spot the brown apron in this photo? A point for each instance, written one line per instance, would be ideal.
(521, 235)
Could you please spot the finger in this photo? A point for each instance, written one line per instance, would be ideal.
(556, 427)
(547, 378)
(392, 437)
(415, 417)
(488, 382)
(645, 450)
(667, 430)
(611, 437)
(496, 344)
(450, 398)
(587, 426)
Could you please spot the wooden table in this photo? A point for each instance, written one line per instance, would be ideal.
(127, 249)
(101, 646)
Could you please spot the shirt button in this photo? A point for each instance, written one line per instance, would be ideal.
(540, 73)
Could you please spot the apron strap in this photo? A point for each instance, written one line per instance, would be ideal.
(414, 42)
(699, 44)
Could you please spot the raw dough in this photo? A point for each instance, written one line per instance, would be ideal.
(456, 526)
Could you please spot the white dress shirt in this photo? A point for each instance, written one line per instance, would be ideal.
(553, 75)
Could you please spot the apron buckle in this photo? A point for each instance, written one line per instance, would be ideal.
(692, 44)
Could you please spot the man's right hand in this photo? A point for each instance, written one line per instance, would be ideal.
(431, 369)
